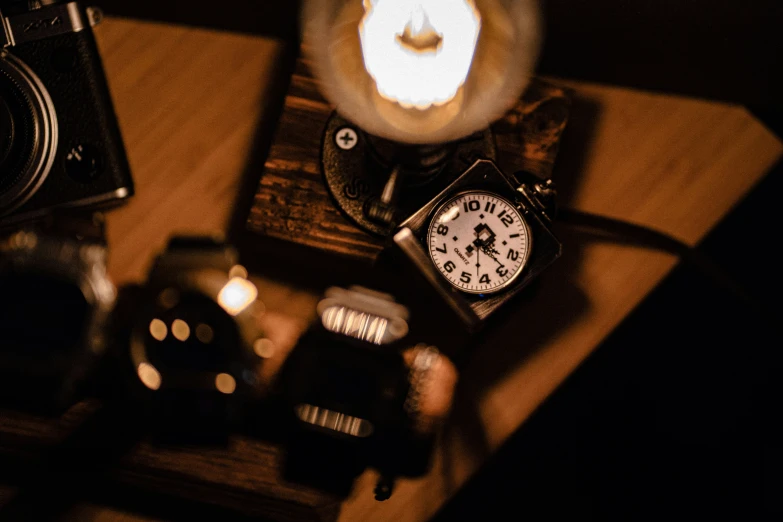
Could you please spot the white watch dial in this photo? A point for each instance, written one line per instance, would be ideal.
(479, 242)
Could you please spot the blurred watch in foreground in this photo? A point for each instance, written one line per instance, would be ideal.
(193, 340)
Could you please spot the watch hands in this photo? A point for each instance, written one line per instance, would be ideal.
(478, 256)
(491, 253)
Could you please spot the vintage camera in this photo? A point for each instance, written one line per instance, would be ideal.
(60, 144)
(189, 342)
(361, 393)
(55, 313)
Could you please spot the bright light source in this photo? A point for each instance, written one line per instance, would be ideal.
(225, 383)
(158, 329)
(180, 330)
(149, 375)
(419, 52)
(237, 295)
(264, 348)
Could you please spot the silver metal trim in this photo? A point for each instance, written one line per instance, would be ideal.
(94, 15)
(47, 134)
(43, 23)
(334, 420)
(363, 314)
(6, 36)
(120, 193)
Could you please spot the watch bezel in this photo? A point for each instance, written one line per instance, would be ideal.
(512, 203)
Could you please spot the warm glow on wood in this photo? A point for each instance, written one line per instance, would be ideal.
(419, 52)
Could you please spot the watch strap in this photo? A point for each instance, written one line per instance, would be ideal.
(183, 252)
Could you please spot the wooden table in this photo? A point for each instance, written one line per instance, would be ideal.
(189, 103)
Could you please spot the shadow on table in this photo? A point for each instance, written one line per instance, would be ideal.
(548, 306)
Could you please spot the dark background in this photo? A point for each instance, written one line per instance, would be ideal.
(675, 414)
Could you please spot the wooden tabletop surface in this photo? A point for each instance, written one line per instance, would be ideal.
(189, 102)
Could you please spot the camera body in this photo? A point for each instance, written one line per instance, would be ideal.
(60, 144)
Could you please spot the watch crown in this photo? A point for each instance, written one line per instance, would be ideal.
(540, 192)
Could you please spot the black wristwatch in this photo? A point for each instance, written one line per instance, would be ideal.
(482, 239)
(192, 340)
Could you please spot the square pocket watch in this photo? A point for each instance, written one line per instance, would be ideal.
(482, 239)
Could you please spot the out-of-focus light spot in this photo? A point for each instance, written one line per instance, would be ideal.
(158, 329)
(449, 216)
(180, 329)
(237, 295)
(168, 298)
(334, 420)
(264, 348)
(225, 383)
(149, 376)
(238, 271)
(205, 333)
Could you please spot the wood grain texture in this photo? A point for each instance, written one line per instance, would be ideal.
(672, 163)
(293, 204)
(189, 102)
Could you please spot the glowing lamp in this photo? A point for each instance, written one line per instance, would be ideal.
(435, 48)
(422, 71)
(391, 102)
(237, 295)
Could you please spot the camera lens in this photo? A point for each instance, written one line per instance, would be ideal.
(28, 133)
(41, 314)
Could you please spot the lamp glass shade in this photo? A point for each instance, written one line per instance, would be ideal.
(422, 71)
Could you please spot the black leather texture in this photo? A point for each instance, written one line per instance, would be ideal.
(70, 68)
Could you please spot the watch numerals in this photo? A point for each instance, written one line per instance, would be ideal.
(478, 242)
(471, 206)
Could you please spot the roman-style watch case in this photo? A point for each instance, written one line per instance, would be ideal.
(482, 239)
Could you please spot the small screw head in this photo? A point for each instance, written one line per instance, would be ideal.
(346, 138)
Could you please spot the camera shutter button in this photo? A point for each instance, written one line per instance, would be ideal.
(83, 163)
